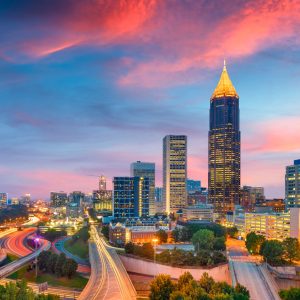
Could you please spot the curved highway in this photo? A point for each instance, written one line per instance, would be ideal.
(109, 279)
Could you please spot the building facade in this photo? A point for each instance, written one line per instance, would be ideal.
(199, 212)
(131, 197)
(3, 199)
(224, 146)
(146, 170)
(58, 199)
(292, 184)
(174, 172)
(251, 196)
(193, 186)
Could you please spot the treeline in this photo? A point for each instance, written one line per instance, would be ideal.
(186, 232)
(290, 294)
(163, 288)
(56, 264)
(52, 234)
(20, 291)
(82, 234)
(177, 257)
(273, 251)
(13, 212)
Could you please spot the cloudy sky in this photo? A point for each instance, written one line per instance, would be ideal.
(88, 86)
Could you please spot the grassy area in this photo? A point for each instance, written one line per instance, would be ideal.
(10, 258)
(76, 281)
(79, 247)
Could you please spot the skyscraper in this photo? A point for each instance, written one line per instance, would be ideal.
(131, 197)
(174, 172)
(224, 149)
(102, 183)
(292, 184)
(146, 170)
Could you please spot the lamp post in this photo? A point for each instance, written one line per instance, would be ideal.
(154, 242)
(36, 240)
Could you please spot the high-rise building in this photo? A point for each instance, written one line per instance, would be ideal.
(74, 206)
(102, 183)
(159, 204)
(3, 199)
(131, 197)
(292, 184)
(193, 186)
(146, 170)
(58, 199)
(251, 196)
(224, 149)
(174, 172)
(102, 201)
(77, 198)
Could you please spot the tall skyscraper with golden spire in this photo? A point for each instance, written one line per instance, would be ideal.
(224, 149)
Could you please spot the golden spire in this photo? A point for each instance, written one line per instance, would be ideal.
(225, 87)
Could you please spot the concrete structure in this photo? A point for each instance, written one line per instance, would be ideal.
(102, 201)
(131, 197)
(146, 170)
(292, 184)
(174, 172)
(295, 222)
(193, 186)
(271, 205)
(271, 225)
(3, 199)
(250, 196)
(102, 183)
(224, 150)
(139, 266)
(203, 212)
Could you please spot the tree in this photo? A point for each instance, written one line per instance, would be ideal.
(24, 292)
(161, 287)
(59, 271)
(105, 231)
(290, 294)
(162, 236)
(43, 259)
(176, 235)
(70, 267)
(219, 244)
(206, 282)
(218, 257)
(291, 249)
(147, 251)
(272, 251)
(241, 290)
(232, 232)
(177, 295)
(51, 263)
(203, 239)
(254, 242)
(129, 248)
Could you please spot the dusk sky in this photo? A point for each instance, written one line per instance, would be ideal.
(89, 86)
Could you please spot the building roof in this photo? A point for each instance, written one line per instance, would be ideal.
(225, 87)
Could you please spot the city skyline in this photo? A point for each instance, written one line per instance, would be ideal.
(79, 93)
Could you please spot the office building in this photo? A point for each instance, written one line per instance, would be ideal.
(58, 199)
(199, 212)
(292, 184)
(251, 196)
(102, 201)
(158, 203)
(224, 151)
(193, 186)
(3, 199)
(102, 183)
(131, 197)
(77, 198)
(174, 172)
(146, 170)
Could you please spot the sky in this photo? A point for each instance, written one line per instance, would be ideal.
(89, 86)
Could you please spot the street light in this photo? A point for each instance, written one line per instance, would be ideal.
(154, 242)
(36, 240)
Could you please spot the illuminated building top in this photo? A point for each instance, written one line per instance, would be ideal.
(225, 87)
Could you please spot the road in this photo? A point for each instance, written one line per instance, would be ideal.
(109, 279)
(15, 242)
(249, 273)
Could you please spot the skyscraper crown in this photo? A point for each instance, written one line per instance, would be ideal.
(225, 87)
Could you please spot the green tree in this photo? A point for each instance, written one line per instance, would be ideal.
(176, 235)
(218, 257)
(290, 294)
(254, 242)
(232, 232)
(219, 244)
(43, 259)
(59, 271)
(161, 287)
(241, 290)
(177, 295)
(11, 291)
(291, 248)
(70, 267)
(51, 263)
(105, 231)
(203, 258)
(24, 292)
(162, 236)
(129, 248)
(206, 282)
(203, 239)
(272, 251)
(164, 256)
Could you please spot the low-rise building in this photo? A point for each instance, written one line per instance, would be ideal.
(198, 212)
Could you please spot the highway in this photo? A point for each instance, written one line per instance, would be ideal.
(109, 279)
(250, 274)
